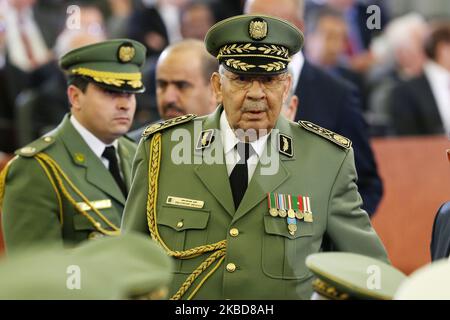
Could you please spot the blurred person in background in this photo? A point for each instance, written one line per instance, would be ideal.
(24, 50)
(196, 19)
(357, 53)
(400, 56)
(42, 108)
(156, 24)
(421, 105)
(327, 33)
(120, 11)
(182, 80)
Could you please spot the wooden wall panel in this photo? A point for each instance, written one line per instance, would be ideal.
(416, 176)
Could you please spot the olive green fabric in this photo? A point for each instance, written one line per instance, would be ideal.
(254, 44)
(135, 262)
(359, 276)
(31, 212)
(113, 64)
(270, 262)
(110, 268)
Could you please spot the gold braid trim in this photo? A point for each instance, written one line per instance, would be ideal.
(59, 175)
(219, 248)
(196, 273)
(3, 175)
(329, 291)
(112, 78)
(250, 50)
(58, 195)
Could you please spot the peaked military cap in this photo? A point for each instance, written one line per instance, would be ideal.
(114, 64)
(134, 262)
(254, 44)
(431, 282)
(129, 266)
(343, 276)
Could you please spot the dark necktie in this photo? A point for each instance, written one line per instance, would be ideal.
(239, 175)
(110, 154)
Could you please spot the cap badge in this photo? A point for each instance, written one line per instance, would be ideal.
(257, 29)
(126, 53)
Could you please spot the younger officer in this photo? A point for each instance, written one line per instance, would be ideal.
(71, 185)
(240, 197)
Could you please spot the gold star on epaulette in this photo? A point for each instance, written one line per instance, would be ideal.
(151, 129)
(328, 134)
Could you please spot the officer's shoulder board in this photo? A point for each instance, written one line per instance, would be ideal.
(155, 127)
(35, 147)
(327, 134)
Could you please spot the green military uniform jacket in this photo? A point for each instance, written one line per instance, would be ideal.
(263, 260)
(36, 207)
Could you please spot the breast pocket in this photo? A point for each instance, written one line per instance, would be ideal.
(283, 254)
(83, 228)
(182, 229)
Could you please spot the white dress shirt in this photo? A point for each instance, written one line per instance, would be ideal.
(295, 67)
(439, 79)
(229, 141)
(94, 143)
(14, 44)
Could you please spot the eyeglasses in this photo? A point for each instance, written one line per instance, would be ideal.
(245, 82)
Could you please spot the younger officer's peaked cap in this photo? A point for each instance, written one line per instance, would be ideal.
(345, 275)
(114, 64)
(254, 44)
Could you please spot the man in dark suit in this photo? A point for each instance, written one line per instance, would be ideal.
(330, 103)
(147, 26)
(333, 103)
(420, 106)
(440, 238)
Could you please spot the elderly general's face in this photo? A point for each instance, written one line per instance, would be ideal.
(251, 102)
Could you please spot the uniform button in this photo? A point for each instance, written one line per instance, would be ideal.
(234, 232)
(231, 267)
(48, 139)
(180, 224)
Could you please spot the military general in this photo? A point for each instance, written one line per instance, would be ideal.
(239, 198)
(71, 184)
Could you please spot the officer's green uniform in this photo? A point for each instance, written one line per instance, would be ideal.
(246, 253)
(56, 189)
(344, 276)
(125, 267)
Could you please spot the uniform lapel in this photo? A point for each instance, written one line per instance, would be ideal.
(214, 176)
(125, 162)
(264, 182)
(83, 156)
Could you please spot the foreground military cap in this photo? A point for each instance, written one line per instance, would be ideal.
(138, 265)
(43, 273)
(125, 267)
(113, 64)
(343, 276)
(431, 282)
(254, 44)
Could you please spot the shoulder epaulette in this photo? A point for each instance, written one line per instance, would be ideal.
(151, 129)
(327, 134)
(35, 147)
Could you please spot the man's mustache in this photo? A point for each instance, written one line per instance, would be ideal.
(172, 106)
(253, 106)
